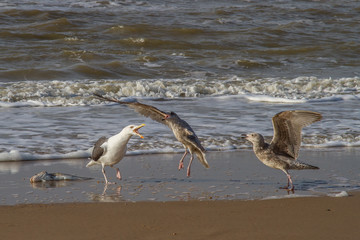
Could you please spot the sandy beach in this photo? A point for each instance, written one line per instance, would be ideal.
(297, 218)
(237, 198)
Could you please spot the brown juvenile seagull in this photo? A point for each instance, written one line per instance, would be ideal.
(283, 151)
(181, 129)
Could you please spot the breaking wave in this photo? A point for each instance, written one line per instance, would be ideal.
(273, 90)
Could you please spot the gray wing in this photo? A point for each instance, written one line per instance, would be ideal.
(183, 129)
(195, 141)
(145, 110)
(98, 151)
(287, 131)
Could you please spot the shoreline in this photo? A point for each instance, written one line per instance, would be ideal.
(298, 218)
(234, 175)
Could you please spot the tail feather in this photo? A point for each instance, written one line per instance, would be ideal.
(91, 163)
(202, 159)
(300, 166)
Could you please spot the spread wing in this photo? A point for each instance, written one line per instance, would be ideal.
(98, 149)
(287, 131)
(145, 110)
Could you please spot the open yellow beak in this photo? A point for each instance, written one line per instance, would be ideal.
(136, 130)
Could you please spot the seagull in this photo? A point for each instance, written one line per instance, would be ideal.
(110, 151)
(283, 151)
(181, 129)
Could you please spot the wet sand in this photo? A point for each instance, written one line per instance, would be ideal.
(296, 218)
(234, 175)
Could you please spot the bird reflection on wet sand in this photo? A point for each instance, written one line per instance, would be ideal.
(51, 184)
(113, 194)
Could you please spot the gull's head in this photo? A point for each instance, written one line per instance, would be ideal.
(253, 137)
(134, 130)
(170, 115)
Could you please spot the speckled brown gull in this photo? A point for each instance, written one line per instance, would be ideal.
(110, 151)
(181, 129)
(283, 151)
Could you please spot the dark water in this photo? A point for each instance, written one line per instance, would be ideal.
(226, 67)
(74, 40)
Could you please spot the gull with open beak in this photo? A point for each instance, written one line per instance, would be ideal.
(110, 151)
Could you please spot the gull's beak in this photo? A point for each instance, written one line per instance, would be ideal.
(166, 116)
(244, 135)
(136, 130)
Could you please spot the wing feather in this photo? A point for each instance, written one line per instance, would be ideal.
(196, 142)
(287, 130)
(98, 151)
(143, 109)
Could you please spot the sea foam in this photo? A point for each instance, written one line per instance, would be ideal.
(340, 194)
(273, 90)
(15, 155)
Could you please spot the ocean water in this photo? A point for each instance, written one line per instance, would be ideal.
(226, 67)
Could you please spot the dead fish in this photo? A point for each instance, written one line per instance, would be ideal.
(45, 176)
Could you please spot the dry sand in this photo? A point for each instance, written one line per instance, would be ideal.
(295, 218)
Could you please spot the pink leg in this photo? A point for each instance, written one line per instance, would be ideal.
(290, 181)
(105, 188)
(118, 175)
(106, 181)
(181, 163)
(103, 171)
(189, 166)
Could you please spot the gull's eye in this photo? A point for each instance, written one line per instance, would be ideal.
(131, 127)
